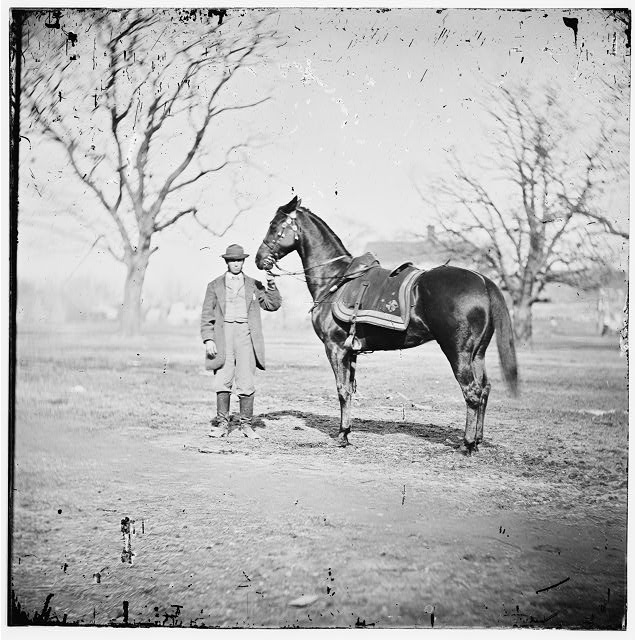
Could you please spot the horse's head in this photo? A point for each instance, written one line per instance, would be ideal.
(282, 236)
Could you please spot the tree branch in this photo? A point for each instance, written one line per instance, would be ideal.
(227, 227)
(173, 219)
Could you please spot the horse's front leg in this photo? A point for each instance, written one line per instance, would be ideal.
(343, 363)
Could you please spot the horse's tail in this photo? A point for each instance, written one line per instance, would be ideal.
(505, 336)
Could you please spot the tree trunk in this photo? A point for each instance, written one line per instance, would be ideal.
(136, 266)
(522, 321)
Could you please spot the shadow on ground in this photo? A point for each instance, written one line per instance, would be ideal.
(435, 434)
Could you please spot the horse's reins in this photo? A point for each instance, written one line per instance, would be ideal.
(302, 271)
(274, 249)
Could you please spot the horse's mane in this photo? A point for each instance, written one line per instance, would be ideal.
(319, 222)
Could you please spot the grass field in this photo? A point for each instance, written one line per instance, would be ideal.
(398, 530)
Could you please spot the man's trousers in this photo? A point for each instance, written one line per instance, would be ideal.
(240, 361)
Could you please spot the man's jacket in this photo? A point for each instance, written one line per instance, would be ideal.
(257, 297)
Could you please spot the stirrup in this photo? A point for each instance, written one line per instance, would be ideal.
(353, 343)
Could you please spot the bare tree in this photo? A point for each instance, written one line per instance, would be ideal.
(525, 213)
(136, 121)
(612, 170)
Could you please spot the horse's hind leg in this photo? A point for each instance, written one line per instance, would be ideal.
(343, 363)
(472, 391)
(462, 365)
(479, 369)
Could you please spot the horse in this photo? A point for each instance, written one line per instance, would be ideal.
(459, 308)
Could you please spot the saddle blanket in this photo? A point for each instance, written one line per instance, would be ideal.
(386, 297)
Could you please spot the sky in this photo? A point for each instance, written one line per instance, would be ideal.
(362, 104)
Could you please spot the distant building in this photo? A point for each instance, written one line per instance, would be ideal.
(598, 307)
(612, 302)
(101, 311)
(425, 253)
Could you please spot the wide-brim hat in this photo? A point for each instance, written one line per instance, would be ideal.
(235, 252)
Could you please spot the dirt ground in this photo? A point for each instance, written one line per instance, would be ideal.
(398, 530)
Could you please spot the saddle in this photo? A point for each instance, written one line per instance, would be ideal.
(376, 296)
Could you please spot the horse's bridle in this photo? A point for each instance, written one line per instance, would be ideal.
(290, 223)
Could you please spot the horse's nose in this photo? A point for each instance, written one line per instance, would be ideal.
(262, 257)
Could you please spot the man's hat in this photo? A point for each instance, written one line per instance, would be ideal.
(235, 252)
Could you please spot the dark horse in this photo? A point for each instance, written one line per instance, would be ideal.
(459, 308)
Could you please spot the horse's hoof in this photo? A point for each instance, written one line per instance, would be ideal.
(465, 449)
(343, 442)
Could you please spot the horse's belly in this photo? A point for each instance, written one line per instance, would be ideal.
(379, 339)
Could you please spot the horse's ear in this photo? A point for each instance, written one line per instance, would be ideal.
(291, 205)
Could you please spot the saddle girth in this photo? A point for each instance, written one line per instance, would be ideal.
(352, 342)
(377, 297)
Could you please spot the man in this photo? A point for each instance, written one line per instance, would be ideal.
(233, 338)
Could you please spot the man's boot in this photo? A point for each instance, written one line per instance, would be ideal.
(246, 404)
(222, 415)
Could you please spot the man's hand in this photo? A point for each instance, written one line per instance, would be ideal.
(210, 348)
(270, 279)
